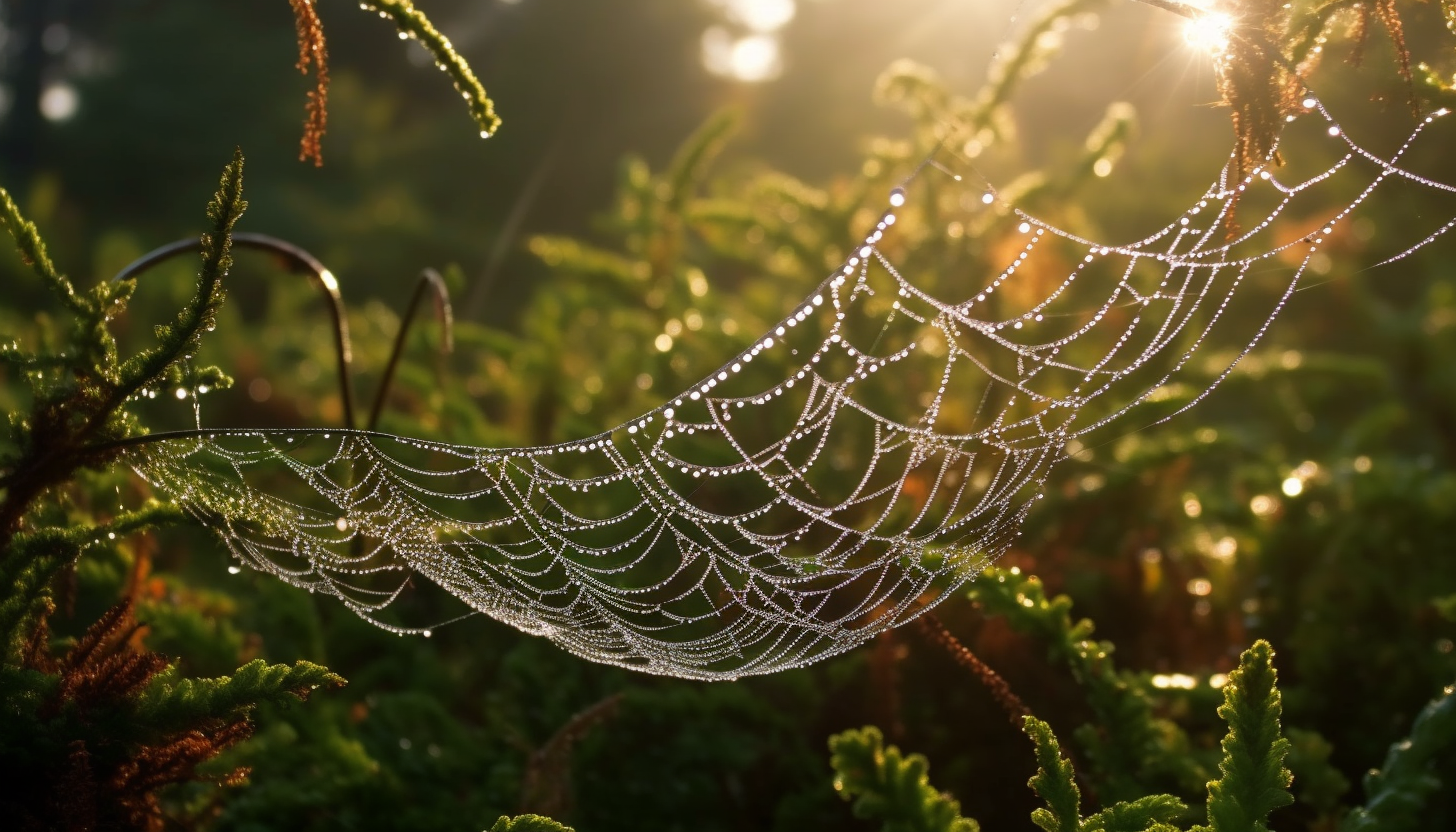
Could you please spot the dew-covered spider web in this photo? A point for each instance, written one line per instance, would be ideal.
(838, 477)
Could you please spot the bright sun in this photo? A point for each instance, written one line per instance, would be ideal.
(1209, 32)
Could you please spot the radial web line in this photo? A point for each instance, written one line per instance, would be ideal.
(854, 466)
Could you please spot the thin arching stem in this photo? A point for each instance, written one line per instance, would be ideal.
(299, 262)
(429, 280)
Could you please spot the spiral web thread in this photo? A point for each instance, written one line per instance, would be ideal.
(842, 475)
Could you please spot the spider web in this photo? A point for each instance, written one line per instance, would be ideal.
(843, 474)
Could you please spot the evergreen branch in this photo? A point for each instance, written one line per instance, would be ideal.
(1053, 781)
(412, 23)
(1255, 781)
(691, 161)
(180, 340)
(1156, 811)
(528, 823)
(1306, 27)
(34, 561)
(33, 252)
(171, 703)
(1397, 792)
(37, 557)
(582, 259)
(891, 788)
(1128, 746)
(1028, 56)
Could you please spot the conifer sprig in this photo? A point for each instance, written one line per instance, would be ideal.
(412, 23)
(33, 251)
(1129, 747)
(1397, 792)
(528, 823)
(180, 340)
(1255, 781)
(1053, 782)
(172, 702)
(890, 787)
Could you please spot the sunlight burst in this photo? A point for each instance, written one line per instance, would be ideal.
(1209, 32)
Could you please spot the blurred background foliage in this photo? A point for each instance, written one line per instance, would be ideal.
(664, 186)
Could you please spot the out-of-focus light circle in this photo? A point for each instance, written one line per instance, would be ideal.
(59, 102)
(1293, 487)
(753, 58)
(55, 38)
(763, 16)
(1209, 32)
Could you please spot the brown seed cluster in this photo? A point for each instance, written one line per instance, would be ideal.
(312, 51)
(1256, 82)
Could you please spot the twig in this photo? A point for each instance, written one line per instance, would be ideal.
(936, 633)
(546, 786)
(1187, 10)
(429, 279)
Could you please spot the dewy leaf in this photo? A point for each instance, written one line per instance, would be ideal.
(842, 473)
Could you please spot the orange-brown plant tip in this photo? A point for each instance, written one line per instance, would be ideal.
(312, 50)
